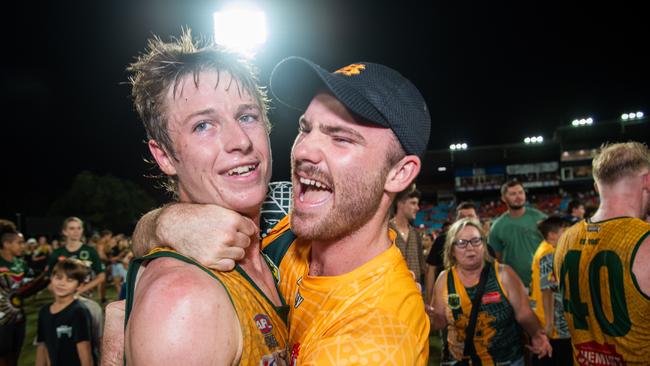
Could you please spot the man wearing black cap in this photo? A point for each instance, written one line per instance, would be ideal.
(351, 296)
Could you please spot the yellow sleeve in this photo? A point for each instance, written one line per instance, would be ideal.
(378, 338)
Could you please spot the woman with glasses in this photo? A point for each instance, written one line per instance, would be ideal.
(503, 303)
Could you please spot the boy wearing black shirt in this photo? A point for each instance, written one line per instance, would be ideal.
(64, 327)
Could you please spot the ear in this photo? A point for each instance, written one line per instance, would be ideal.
(645, 182)
(164, 160)
(402, 174)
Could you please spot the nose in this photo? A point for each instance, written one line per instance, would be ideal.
(236, 138)
(307, 147)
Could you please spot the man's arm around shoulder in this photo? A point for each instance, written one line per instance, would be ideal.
(181, 316)
(214, 236)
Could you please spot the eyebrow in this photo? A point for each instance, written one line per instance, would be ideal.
(202, 112)
(245, 107)
(331, 130)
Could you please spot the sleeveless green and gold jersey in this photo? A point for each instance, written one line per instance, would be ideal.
(608, 315)
(263, 325)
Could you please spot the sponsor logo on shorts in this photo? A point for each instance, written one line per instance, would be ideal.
(595, 354)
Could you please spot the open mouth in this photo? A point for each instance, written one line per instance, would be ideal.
(242, 171)
(313, 191)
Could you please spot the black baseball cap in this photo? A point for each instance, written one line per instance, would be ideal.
(374, 92)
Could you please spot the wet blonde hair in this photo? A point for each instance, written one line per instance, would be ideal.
(453, 232)
(616, 161)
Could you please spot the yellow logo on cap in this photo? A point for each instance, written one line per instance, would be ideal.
(353, 69)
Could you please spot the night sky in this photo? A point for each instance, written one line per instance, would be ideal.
(491, 73)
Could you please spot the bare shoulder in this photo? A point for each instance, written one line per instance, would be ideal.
(641, 265)
(181, 314)
(509, 278)
(442, 278)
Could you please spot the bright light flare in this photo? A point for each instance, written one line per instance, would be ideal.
(241, 28)
(582, 122)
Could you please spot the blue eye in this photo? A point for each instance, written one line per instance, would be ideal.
(201, 126)
(248, 118)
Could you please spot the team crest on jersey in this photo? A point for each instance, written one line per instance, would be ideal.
(454, 301)
(595, 354)
(353, 69)
(84, 255)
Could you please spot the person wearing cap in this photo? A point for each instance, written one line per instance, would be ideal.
(352, 298)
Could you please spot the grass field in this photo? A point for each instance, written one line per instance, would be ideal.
(34, 304)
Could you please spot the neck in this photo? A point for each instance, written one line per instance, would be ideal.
(624, 198)
(63, 301)
(6, 255)
(517, 212)
(340, 256)
(401, 222)
(252, 260)
(470, 272)
(73, 245)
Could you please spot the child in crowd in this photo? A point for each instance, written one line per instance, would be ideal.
(64, 333)
(545, 298)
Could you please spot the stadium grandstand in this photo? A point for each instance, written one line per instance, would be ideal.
(553, 170)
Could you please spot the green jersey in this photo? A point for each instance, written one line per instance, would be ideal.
(517, 239)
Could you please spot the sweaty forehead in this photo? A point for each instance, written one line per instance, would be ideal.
(210, 79)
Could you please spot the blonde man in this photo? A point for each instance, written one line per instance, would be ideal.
(603, 263)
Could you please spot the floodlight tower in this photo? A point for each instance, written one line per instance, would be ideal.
(241, 27)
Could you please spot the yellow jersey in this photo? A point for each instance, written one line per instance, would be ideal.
(543, 278)
(263, 325)
(608, 315)
(373, 315)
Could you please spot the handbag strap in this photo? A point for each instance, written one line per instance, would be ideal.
(469, 349)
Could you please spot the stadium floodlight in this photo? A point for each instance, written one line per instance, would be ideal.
(241, 28)
(632, 116)
(442, 168)
(534, 140)
(582, 122)
(458, 146)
